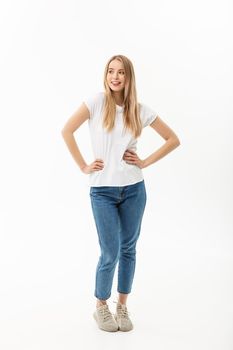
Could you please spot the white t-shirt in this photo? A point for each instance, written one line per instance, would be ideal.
(110, 146)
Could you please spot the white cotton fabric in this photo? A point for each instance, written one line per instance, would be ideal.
(110, 146)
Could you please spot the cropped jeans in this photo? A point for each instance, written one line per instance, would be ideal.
(118, 213)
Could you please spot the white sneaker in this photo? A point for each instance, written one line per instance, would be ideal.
(105, 319)
(122, 317)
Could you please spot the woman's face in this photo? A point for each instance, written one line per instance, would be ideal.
(116, 76)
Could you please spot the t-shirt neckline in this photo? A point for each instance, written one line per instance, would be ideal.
(119, 108)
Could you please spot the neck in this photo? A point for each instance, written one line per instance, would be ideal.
(119, 98)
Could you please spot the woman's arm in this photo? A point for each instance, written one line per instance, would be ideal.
(73, 123)
(171, 143)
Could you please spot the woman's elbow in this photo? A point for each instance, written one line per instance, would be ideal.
(65, 132)
(175, 141)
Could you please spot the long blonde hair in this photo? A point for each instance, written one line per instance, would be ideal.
(131, 116)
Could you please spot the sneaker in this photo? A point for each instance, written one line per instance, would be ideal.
(122, 318)
(105, 319)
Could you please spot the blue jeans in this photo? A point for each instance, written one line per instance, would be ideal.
(118, 213)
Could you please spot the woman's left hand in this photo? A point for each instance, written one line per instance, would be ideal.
(132, 158)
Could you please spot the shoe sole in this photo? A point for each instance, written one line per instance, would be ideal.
(103, 329)
(120, 329)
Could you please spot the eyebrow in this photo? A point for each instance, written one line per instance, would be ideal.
(118, 69)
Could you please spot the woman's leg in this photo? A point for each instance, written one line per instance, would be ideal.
(122, 298)
(104, 206)
(131, 210)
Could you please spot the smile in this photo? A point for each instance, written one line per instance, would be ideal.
(115, 82)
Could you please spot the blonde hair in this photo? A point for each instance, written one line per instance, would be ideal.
(131, 116)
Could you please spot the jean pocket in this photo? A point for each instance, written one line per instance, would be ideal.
(95, 190)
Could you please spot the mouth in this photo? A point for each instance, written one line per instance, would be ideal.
(115, 83)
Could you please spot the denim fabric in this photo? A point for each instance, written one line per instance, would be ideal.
(118, 213)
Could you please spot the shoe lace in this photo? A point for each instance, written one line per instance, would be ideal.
(122, 310)
(105, 312)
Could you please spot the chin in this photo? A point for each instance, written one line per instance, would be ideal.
(116, 89)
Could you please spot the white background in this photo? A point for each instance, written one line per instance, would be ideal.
(53, 55)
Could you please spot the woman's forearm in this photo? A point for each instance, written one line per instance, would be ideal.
(73, 148)
(166, 148)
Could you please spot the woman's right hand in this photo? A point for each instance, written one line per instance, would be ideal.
(97, 165)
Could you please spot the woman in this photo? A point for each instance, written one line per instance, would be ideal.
(117, 188)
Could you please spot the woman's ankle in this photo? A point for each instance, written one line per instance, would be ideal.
(100, 303)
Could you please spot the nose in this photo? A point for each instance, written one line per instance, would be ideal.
(115, 75)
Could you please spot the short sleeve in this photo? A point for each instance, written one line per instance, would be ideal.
(92, 102)
(147, 114)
